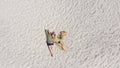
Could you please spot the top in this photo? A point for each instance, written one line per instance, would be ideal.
(48, 36)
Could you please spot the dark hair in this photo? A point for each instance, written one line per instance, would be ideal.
(53, 33)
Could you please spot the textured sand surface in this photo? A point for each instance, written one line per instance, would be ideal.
(93, 28)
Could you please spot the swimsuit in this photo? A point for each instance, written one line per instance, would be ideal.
(56, 40)
(49, 44)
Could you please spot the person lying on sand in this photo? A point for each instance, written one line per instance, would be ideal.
(49, 41)
(58, 39)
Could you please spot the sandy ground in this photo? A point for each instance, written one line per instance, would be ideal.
(93, 28)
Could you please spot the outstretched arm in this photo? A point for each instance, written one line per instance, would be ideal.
(46, 31)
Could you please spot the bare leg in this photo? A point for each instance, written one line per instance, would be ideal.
(51, 50)
(62, 45)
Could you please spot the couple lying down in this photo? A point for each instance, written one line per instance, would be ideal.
(52, 38)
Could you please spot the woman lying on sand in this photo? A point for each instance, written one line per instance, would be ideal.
(58, 39)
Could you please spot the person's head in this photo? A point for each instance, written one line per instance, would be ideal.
(63, 33)
(53, 34)
(49, 32)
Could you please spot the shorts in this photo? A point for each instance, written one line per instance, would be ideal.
(49, 44)
(58, 41)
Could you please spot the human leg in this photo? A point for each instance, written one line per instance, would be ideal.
(62, 45)
(50, 47)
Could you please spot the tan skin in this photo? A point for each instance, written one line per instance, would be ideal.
(62, 45)
(51, 50)
(61, 42)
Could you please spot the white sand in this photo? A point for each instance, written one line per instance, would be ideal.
(93, 28)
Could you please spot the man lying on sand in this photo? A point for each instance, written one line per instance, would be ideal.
(49, 41)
